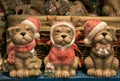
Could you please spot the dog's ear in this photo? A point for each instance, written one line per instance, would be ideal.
(51, 20)
(114, 34)
(76, 21)
(9, 33)
(112, 31)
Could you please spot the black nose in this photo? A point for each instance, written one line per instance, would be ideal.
(22, 33)
(104, 33)
(63, 36)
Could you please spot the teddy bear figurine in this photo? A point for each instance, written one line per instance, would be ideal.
(111, 8)
(101, 61)
(49, 70)
(22, 59)
(62, 53)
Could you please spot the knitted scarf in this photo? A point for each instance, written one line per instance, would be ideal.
(12, 49)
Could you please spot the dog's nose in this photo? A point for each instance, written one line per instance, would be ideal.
(104, 33)
(63, 36)
(22, 33)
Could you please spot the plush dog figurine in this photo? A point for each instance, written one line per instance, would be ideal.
(101, 61)
(22, 60)
(62, 52)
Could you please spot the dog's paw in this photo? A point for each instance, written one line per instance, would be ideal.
(31, 72)
(30, 66)
(98, 72)
(37, 66)
(107, 73)
(113, 73)
(26, 73)
(118, 13)
(34, 66)
(37, 72)
(34, 72)
(58, 74)
(72, 73)
(65, 74)
(20, 73)
(112, 14)
(91, 72)
(13, 73)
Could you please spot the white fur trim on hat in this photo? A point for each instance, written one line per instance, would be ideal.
(60, 24)
(36, 35)
(29, 23)
(87, 42)
(94, 31)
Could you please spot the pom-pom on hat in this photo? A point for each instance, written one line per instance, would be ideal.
(91, 28)
(34, 23)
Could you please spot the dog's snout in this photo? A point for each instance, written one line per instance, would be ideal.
(22, 33)
(63, 36)
(104, 33)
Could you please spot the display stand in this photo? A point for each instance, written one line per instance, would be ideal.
(79, 77)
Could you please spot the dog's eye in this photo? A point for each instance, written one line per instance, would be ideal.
(108, 30)
(28, 29)
(68, 31)
(17, 30)
(57, 31)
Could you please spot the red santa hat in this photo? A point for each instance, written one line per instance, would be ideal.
(91, 28)
(62, 23)
(34, 23)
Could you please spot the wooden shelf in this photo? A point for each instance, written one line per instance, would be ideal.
(79, 77)
(113, 21)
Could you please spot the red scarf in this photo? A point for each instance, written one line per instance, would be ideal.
(12, 49)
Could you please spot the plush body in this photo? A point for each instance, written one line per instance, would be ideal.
(22, 60)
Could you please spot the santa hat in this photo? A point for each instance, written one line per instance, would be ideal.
(62, 23)
(34, 23)
(91, 28)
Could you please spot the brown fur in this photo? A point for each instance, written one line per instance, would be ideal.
(25, 9)
(63, 71)
(77, 9)
(76, 21)
(102, 64)
(51, 20)
(111, 8)
(26, 64)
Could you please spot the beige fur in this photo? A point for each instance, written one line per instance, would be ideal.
(26, 64)
(102, 64)
(63, 71)
(58, 39)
